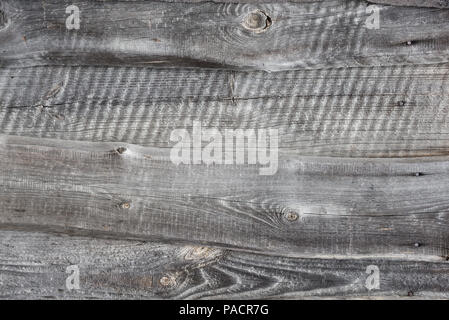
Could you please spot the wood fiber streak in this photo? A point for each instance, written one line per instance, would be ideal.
(361, 112)
(285, 36)
(33, 266)
(415, 3)
(340, 206)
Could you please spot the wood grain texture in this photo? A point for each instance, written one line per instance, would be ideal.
(269, 36)
(340, 206)
(362, 112)
(33, 266)
(363, 172)
(415, 3)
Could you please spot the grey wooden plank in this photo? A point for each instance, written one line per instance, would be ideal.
(33, 266)
(310, 207)
(268, 36)
(355, 112)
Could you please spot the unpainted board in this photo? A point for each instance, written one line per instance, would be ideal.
(309, 207)
(33, 266)
(361, 112)
(266, 36)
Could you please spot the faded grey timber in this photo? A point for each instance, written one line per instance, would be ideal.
(323, 34)
(86, 179)
(356, 112)
(112, 269)
(343, 206)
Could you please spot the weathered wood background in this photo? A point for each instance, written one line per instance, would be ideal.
(86, 179)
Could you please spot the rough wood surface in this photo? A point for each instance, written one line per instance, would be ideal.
(269, 36)
(339, 206)
(362, 112)
(33, 265)
(86, 179)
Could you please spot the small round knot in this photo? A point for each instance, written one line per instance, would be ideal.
(417, 244)
(291, 216)
(125, 205)
(257, 21)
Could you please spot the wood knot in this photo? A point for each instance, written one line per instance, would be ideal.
(257, 21)
(125, 205)
(291, 216)
(201, 253)
(120, 150)
(168, 281)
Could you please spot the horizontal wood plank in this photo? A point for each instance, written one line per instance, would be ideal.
(33, 266)
(266, 36)
(309, 207)
(360, 112)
